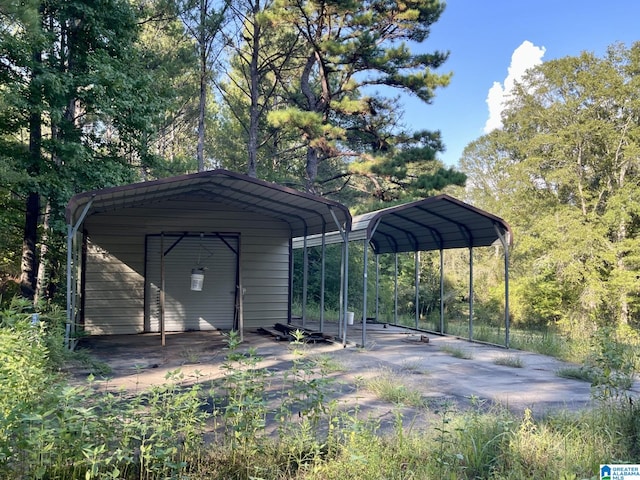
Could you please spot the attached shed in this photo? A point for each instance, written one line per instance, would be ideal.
(132, 251)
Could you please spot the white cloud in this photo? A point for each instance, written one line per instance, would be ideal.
(523, 58)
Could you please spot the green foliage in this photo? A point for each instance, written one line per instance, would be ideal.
(27, 382)
(49, 321)
(481, 439)
(614, 364)
(537, 301)
(349, 136)
(79, 110)
(560, 171)
(245, 410)
(306, 386)
(390, 387)
(577, 373)
(52, 430)
(547, 341)
(72, 432)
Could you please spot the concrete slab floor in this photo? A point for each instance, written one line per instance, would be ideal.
(139, 361)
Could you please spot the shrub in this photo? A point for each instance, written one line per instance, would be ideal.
(28, 385)
(614, 365)
(49, 429)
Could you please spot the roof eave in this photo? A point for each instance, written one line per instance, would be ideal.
(130, 191)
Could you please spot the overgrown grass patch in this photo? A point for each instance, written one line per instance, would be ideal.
(391, 387)
(456, 352)
(577, 373)
(545, 342)
(513, 361)
(412, 367)
(328, 363)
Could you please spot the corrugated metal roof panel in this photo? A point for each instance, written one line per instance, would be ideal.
(304, 213)
(440, 222)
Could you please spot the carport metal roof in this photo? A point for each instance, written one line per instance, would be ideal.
(435, 223)
(304, 213)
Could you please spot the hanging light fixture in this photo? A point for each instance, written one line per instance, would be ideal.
(197, 272)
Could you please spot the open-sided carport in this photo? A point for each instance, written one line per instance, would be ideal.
(436, 223)
(132, 250)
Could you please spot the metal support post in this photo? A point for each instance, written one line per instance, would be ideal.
(364, 291)
(417, 285)
(441, 290)
(470, 293)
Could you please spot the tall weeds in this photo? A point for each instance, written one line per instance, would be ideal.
(257, 428)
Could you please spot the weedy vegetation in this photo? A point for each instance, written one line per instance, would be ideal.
(229, 429)
(577, 373)
(513, 361)
(392, 387)
(456, 352)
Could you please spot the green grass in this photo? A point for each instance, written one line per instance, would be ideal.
(577, 373)
(190, 355)
(390, 386)
(459, 445)
(412, 366)
(327, 363)
(509, 361)
(456, 352)
(50, 429)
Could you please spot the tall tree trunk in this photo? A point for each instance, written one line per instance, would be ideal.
(202, 40)
(29, 261)
(254, 109)
(311, 166)
(624, 298)
(41, 282)
(29, 264)
(311, 169)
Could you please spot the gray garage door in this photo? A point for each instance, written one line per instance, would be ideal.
(210, 309)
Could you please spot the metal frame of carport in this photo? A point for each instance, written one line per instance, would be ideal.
(436, 223)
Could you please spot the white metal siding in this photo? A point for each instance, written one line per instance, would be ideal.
(213, 308)
(115, 265)
(114, 287)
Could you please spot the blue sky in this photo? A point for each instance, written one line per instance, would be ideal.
(482, 36)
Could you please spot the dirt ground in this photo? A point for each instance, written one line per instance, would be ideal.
(423, 363)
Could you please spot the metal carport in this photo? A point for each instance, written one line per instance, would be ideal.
(305, 214)
(436, 223)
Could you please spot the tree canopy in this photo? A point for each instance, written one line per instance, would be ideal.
(79, 108)
(306, 93)
(564, 171)
(100, 93)
(349, 49)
